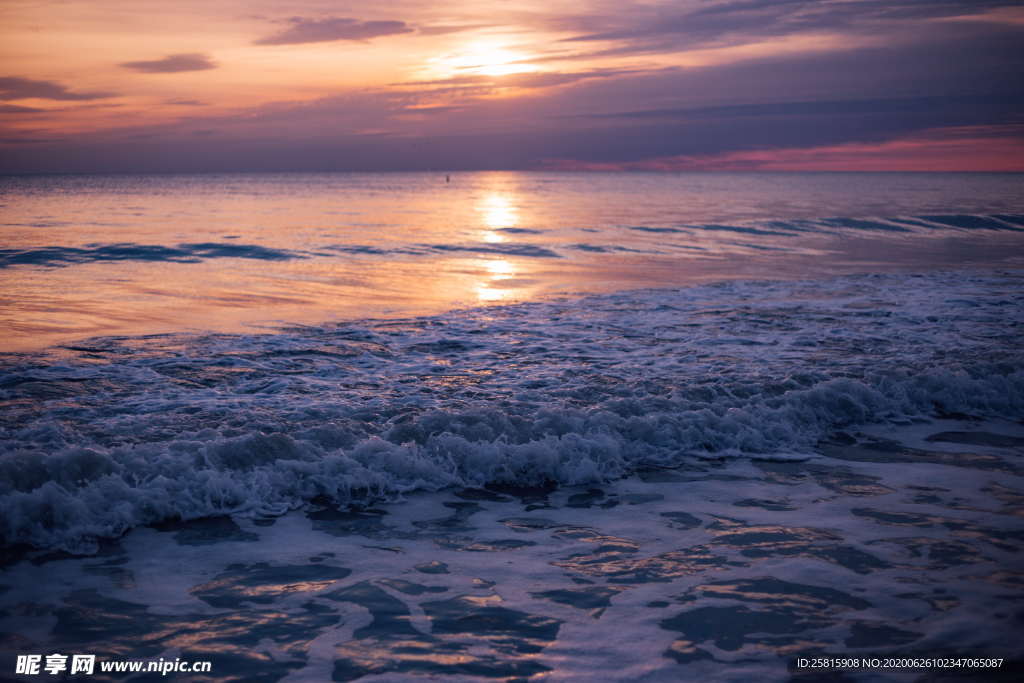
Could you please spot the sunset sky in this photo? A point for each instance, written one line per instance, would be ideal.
(201, 85)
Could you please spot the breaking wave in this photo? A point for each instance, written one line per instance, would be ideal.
(126, 431)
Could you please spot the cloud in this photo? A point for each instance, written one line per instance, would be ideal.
(531, 79)
(18, 109)
(704, 23)
(993, 106)
(16, 88)
(304, 30)
(967, 148)
(27, 141)
(170, 64)
(550, 79)
(679, 26)
(710, 146)
(942, 75)
(446, 29)
(987, 66)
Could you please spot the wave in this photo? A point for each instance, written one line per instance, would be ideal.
(182, 253)
(839, 225)
(133, 431)
(777, 232)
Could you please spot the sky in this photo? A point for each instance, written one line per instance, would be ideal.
(311, 85)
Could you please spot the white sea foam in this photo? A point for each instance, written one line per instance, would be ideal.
(132, 431)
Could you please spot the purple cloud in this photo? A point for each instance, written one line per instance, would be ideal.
(173, 64)
(304, 30)
(858, 95)
(672, 26)
(16, 88)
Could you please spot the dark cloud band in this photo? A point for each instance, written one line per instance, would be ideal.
(173, 64)
(304, 30)
(15, 88)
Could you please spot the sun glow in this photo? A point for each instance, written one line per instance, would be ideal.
(484, 58)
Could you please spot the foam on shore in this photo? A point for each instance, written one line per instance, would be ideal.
(127, 431)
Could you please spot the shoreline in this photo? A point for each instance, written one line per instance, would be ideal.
(81, 344)
(571, 391)
(887, 543)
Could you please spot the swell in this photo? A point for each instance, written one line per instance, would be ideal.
(784, 235)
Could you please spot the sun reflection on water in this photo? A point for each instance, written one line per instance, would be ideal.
(498, 212)
(502, 267)
(490, 289)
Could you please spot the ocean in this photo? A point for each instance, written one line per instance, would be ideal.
(517, 426)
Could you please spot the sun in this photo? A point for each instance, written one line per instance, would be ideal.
(485, 58)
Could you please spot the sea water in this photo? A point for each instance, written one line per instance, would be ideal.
(577, 426)
(83, 256)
